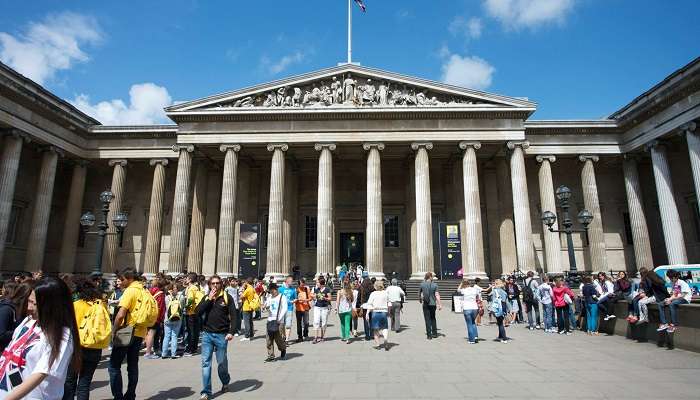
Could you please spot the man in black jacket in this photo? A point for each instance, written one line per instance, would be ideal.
(218, 310)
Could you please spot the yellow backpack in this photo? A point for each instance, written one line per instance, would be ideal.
(195, 294)
(96, 327)
(254, 303)
(146, 311)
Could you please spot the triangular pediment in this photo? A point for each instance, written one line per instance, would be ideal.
(350, 87)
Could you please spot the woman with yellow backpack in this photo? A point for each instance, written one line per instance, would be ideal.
(95, 329)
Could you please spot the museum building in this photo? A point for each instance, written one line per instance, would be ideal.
(350, 164)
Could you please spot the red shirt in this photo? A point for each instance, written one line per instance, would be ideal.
(558, 295)
(159, 296)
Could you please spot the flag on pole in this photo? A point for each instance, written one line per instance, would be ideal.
(362, 5)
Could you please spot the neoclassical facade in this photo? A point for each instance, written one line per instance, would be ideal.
(347, 164)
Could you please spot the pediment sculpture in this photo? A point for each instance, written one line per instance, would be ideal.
(347, 91)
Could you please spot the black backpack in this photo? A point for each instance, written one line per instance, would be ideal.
(528, 293)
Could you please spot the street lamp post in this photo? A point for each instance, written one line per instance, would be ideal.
(584, 217)
(87, 220)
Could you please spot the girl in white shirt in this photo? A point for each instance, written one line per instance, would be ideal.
(471, 297)
(378, 303)
(35, 364)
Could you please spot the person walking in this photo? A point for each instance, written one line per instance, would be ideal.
(302, 306)
(378, 302)
(172, 321)
(590, 298)
(396, 298)
(429, 298)
(471, 297)
(193, 296)
(218, 312)
(322, 296)
(276, 305)
(366, 289)
(249, 299)
(563, 298)
(531, 301)
(499, 308)
(44, 347)
(290, 293)
(94, 329)
(343, 306)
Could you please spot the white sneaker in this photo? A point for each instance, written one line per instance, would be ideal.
(236, 335)
(245, 339)
(607, 317)
(612, 316)
(662, 328)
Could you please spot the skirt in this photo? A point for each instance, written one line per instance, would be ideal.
(379, 320)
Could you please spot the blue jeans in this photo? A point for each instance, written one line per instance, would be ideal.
(470, 318)
(171, 328)
(131, 353)
(214, 343)
(672, 309)
(592, 317)
(548, 310)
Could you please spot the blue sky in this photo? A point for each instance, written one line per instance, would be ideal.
(123, 61)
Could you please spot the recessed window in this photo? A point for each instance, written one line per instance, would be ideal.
(391, 231)
(310, 231)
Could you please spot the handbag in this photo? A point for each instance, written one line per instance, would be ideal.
(122, 337)
(274, 326)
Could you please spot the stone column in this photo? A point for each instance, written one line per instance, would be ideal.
(11, 152)
(473, 232)
(552, 242)
(275, 218)
(109, 259)
(670, 219)
(506, 228)
(521, 207)
(151, 264)
(325, 221)
(199, 214)
(374, 245)
(424, 226)
(638, 222)
(42, 211)
(596, 235)
(227, 218)
(74, 208)
(178, 228)
(493, 221)
(693, 139)
(289, 225)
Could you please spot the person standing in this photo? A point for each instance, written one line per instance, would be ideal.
(544, 293)
(302, 307)
(125, 320)
(155, 332)
(513, 291)
(193, 296)
(343, 306)
(563, 298)
(172, 321)
(396, 297)
(249, 299)
(499, 308)
(13, 309)
(429, 297)
(44, 347)
(290, 293)
(471, 297)
(322, 296)
(590, 297)
(276, 304)
(531, 301)
(218, 312)
(232, 290)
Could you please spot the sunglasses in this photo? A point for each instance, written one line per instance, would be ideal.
(215, 283)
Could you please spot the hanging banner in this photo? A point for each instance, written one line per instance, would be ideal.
(450, 251)
(249, 251)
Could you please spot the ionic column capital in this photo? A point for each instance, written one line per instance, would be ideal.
(417, 145)
(689, 127)
(321, 146)
(179, 147)
(654, 144)
(161, 161)
(51, 149)
(225, 147)
(275, 146)
(524, 144)
(465, 145)
(546, 157)
(18, 134)
(378, 146)
(587, 157)
(120, 162)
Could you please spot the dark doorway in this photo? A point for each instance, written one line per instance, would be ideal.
(352, 247)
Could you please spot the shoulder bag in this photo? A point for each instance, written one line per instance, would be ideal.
(274, 326)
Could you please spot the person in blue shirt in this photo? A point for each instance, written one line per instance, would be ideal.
(288, 291)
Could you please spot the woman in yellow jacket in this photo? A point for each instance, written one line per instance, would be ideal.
(95, 328)
(251, 302)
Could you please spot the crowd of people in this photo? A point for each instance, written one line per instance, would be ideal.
(54, 330)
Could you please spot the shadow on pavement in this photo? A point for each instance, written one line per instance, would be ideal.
(180, 392)
(289, 356)
(98, 384)
(245, 385)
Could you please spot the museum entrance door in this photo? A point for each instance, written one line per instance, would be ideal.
(352, 247)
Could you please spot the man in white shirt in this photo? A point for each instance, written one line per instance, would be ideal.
(396, 296)
(544, 293)
(276, 304)
(680, 294)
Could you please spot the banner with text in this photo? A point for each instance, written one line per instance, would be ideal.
(450, 251)
(249, 251)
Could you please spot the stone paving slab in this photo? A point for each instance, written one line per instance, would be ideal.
(533, 365)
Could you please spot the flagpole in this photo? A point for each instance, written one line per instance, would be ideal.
(349, 31)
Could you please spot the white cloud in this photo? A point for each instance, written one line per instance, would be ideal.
(471, 72)
(146, 103)
(275, 67)
(515, 14)
(51, 45)
(470, 28)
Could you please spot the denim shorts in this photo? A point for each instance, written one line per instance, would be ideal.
(288, 319)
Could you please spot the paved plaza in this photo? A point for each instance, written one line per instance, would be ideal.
(532, 365)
